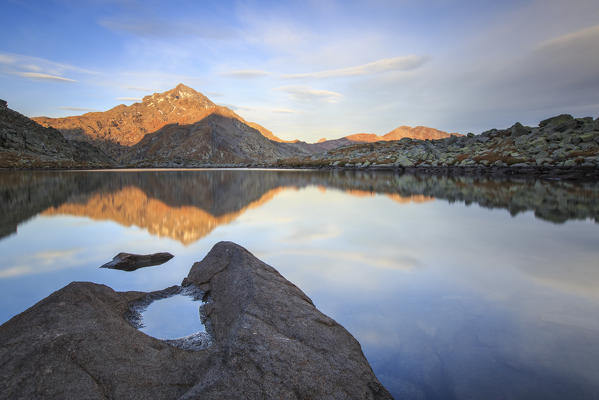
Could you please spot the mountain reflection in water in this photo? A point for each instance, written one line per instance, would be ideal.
(456, 287)
(187, 206)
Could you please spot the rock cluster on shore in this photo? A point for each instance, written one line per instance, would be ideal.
(561, 141)
(268, 342)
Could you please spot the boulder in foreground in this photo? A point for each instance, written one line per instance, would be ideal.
(268, 342)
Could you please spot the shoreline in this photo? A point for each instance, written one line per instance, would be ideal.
(540, 172)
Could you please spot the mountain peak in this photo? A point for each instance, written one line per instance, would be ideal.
(177, 94)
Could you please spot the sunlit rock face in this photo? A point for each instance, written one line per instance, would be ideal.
(417, 132)
(123, 126)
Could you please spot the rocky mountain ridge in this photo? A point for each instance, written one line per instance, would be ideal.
(561, 141)
(26, 144)
(121, 128)
(183, 128)
(124, 126)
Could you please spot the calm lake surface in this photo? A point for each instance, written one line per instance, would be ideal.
(456, 288)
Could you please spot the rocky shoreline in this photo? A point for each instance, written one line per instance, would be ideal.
(559, 147)
(267, 341)
(559, 142)
(576, 173)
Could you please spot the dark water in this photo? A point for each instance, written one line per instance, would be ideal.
(457, 288)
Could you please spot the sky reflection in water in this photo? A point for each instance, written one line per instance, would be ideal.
(172, 317)
(447, 300)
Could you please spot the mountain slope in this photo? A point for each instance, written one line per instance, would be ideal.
(219, 139)
(26, 144)
(124, 126)
(183, 127)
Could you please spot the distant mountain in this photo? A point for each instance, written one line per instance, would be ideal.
(417, 132)
(124, 126)
(26, 144)
(182, 127)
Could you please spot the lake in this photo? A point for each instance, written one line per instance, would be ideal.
(456, 287)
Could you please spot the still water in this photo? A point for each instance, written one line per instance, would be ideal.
(456, 288)
(173, 317)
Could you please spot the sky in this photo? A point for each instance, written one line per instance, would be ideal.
(310, 69)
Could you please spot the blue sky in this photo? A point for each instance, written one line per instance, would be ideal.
(310, 69)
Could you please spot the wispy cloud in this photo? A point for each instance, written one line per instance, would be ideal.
(156, 28)
(44, 77)
(283, 111)
(129, 98)
(67, 108)
(304, 93)
(402, 63)
(138, 89)
(591, 33)
(7, 59)
(41, 64)
(260, 109)
(246, 74)
(32, 67)
(40, 69)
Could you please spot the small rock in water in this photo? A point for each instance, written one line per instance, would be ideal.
(131, 262)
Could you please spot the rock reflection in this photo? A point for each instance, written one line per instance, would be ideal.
(188, 205)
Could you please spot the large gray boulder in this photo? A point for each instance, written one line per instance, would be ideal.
(269, 342)
(519, 130)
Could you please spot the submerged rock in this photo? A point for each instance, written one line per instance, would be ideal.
(268, 342)
(130, 262)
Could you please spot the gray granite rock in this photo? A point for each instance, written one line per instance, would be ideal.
(558, 120)
(268, 342)
(277, 344)
(131, 262)
(519, 130)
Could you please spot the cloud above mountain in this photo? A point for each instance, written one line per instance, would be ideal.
(308, 94)
(43, 76)
(339, 66)
(402, 63)
(246, 73)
